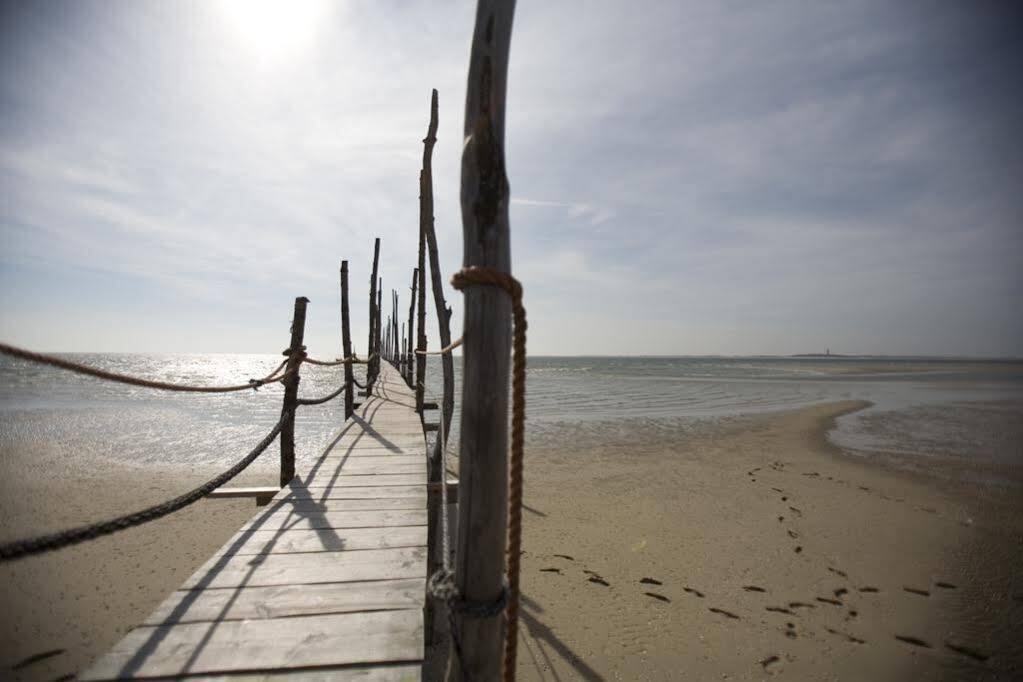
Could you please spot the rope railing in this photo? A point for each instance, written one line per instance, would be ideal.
(46, 543)
(320, 401)
(78, 368)
(446, 349)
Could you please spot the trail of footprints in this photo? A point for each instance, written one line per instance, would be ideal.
(793, 608)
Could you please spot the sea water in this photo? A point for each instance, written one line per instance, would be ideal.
(921, 408)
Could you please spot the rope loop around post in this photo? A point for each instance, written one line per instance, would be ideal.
(475, 275)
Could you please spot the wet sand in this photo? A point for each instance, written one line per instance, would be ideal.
(740, 548)
(751, 548)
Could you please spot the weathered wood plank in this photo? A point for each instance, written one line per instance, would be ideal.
(343, 480)
(300, 569)
(337, 539)
(298, 519)
(194, 606)
(402, 672)
(368, 492)
(253, 645)
(325, 502)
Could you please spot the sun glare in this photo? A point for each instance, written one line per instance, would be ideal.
(275, 29)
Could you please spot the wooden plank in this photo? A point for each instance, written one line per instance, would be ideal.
(300, 569)
(373, 468)
(326, 502)
(277, 643)
(262, 495)
(366, 493)
(193, 606)
(338, 539)
(303, 519)
(343, 480)
(400, 672)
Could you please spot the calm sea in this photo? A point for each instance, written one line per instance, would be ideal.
(955, 410)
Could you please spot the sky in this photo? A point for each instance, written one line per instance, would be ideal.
(686, 177)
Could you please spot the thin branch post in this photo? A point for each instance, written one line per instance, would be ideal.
(294, 353)
(346, 344)
(374, 319)
(407, 350)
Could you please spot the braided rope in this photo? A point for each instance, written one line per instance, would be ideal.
(489, 277)
(446, 349)
(353, 360)
(46, 543)
(60, 363)
(320, 401)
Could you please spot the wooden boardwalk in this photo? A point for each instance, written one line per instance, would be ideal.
(327, 582)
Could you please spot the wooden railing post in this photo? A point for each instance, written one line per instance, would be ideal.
(294, 353)
(346, 344)
(374, 319)
(483, 489)
(407, 350)
(380, 320)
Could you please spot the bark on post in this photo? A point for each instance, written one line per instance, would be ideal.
(483, 492)
(380, 318)
(409, 355)
(374, 317)
(433, 463)
(421, 321)
(294, 354)
(346, 344)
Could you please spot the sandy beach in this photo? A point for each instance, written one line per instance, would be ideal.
(739, 548)
(752, 548)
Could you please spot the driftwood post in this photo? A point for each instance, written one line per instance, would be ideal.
(394, 321)
(346, 344)
(380, 318)
(407, 350)
(421, 321)
(294, 354)
(483, 492)
(374, 319)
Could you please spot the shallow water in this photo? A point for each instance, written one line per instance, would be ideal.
(921, 408)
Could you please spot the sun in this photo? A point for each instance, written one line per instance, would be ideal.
(275, 29)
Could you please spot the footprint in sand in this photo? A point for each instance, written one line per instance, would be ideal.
(727, 614)
(35, 658)
(598, 580)
(847, 636)
(659, 597)
(753, 588)
(869, 588)
(779, 609)
(944, 585)
(915, 641)
(790, 630)
(565, 556)
(793, 534)
(650, 581)
(770, 663)
(798, 549)
(691, 591)
(550, 570)
(829, 601)
(801, 605)
(839, 592)
(966, 651)
(916, 590)
(838, 572)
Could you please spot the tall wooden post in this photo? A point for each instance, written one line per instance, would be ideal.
(483, 492)
(434, 466)
(394, 321)
(380, 317)
(420, 359)
(294, 353)
(374, 317)
(408, 350)
(346, 344)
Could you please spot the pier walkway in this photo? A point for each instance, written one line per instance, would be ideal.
(328, 580)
